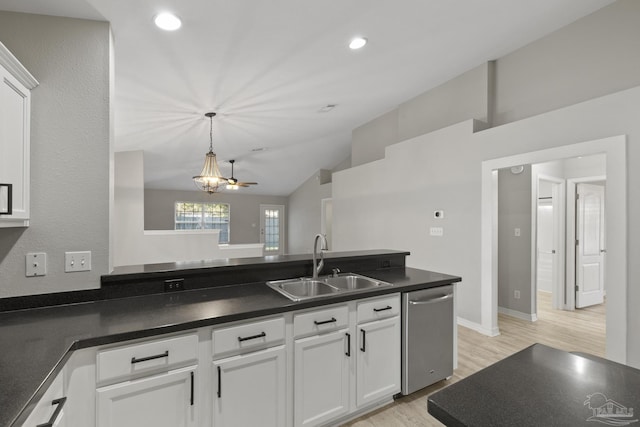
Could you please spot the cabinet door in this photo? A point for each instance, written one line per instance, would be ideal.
(378, 361)
(14, 146)
(164, 400)
(249, 389)
(321, 378)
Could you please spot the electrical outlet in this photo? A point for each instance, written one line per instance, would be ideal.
(174, 285)
(77, 261)
(36, 264)
(516, 294)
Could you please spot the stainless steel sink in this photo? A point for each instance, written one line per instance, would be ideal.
(307, 288)
(354, 282)
(303, 288)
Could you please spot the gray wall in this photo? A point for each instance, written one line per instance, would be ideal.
(514, 252)
(594, 56)
(245, 210)
(464, 97)
(305, 206)
(69, 151)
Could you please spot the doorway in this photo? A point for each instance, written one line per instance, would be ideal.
(549, 217)
(272, 229)
(616, 273)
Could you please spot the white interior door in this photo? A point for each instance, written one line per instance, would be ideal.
(590, 245)
(272, 229)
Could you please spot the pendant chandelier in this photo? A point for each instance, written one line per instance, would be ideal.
(210, 178)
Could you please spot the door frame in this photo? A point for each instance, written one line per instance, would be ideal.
(616, 225)
(559, 197)
(571, 235)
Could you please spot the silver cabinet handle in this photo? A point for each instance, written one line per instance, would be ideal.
(431, 301)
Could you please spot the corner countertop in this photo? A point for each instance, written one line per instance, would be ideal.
(542, 386)
(36, 343)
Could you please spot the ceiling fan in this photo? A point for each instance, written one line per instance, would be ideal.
(233, 183)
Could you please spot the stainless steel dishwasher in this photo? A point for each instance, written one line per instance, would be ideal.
(427, 337)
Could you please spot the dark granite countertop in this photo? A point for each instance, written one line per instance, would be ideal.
(542, 386)
(37, 342)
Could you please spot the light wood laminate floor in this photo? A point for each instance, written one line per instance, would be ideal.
(580, 330)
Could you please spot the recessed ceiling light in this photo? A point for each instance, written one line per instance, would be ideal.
(167, 21)
(357, 43)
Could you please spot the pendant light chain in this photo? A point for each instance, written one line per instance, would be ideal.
(210, 133)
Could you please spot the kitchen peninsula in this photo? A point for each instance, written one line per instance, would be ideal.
(41, 334)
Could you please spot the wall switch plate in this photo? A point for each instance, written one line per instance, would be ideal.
(77, 261)
(516, 232)
(36, 264)
(438, 214)
(436, 231)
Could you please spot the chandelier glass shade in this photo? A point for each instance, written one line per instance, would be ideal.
(210, 179)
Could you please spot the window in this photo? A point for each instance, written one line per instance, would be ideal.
(203, 216)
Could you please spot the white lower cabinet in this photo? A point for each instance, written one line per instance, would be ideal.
(148, 383)
(339, 360)
(163, 400)
(321, 377)
(378, 360)
(250, 389)
(346, 358)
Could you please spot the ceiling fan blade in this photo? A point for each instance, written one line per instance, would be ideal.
(246, 184)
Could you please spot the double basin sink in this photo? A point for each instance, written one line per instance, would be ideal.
(307, 288)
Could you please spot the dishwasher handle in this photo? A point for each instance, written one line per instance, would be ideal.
(431, 300)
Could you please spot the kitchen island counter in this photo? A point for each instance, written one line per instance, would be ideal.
(542, 386)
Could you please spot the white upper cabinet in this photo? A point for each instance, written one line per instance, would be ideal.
(15, 121)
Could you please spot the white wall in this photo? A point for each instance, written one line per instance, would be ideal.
(466, 96)
(70, 154)
(305, 212)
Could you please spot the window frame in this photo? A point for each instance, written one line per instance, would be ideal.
(200, 224)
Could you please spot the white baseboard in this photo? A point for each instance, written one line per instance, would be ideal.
(478, 327)
(518, 314)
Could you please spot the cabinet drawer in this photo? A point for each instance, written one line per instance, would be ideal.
(247, 337)
(146, 357)
(378, 308)
(319, 321)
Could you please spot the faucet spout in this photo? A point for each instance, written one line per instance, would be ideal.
(317, 267)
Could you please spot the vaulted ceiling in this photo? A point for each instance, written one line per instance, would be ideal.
(267, 67)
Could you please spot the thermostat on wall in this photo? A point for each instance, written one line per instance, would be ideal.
(438, 214)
